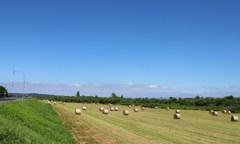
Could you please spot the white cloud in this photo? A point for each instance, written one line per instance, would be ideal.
(227, 86)
(128, 90)
(75, 85)
(130, 83)
(153, 86)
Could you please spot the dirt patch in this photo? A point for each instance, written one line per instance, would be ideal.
(81, 133)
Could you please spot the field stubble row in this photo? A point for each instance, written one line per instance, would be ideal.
(157, 125)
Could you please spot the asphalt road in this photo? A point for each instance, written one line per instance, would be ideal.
(2, 100)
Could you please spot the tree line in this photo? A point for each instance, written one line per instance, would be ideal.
(197, 103)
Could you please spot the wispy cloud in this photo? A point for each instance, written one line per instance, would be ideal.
(128, 90)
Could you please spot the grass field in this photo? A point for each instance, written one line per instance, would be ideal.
(31, 122)
(151, 126)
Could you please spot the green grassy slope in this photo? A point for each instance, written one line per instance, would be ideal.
(158, 125)
(31, 121)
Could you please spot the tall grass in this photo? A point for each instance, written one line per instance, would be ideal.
(30, 122)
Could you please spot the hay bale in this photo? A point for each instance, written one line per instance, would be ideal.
(229, 112)
(167, 108)
(133, 105)
(234, 118)
(78, 111)
(126, 112)
(177, 116)
(105, 111)
(129, 106)
(84, 108)
(116, 109)
(177, 111)
(214, 113)
(55, 103)
(156, 107)
(135, 109)
(210, 111)
(224, 111)
(101, 109)
(143, 108)
(112, 109)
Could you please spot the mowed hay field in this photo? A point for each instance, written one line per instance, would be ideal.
(147, 126)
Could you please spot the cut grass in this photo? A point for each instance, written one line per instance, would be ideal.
(80, 131)
(158, 125)
(31, 121)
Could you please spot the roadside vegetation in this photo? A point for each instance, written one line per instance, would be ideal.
(31, 121)
(3, 92)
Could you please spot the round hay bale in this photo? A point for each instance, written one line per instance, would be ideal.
(116, 109)
(156, 107)
(210, 111)
(177, 116)
(101, 109)
(229, 112)
(129, 106)
(177, 111)
(224, 111)
(167, 108)
(234, 118)
(78, 111)
(126, 112)
(143, 108)
(135, 109)
(112, 109)
(55, 103)
(105, 111)
(214, 113)
(133, 105)
(84, 108)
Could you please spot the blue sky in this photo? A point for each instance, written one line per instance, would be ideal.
(154, 48)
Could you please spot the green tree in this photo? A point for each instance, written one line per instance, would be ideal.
(197, 98)
(3, 91)
(113, 95)
(78, 93)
